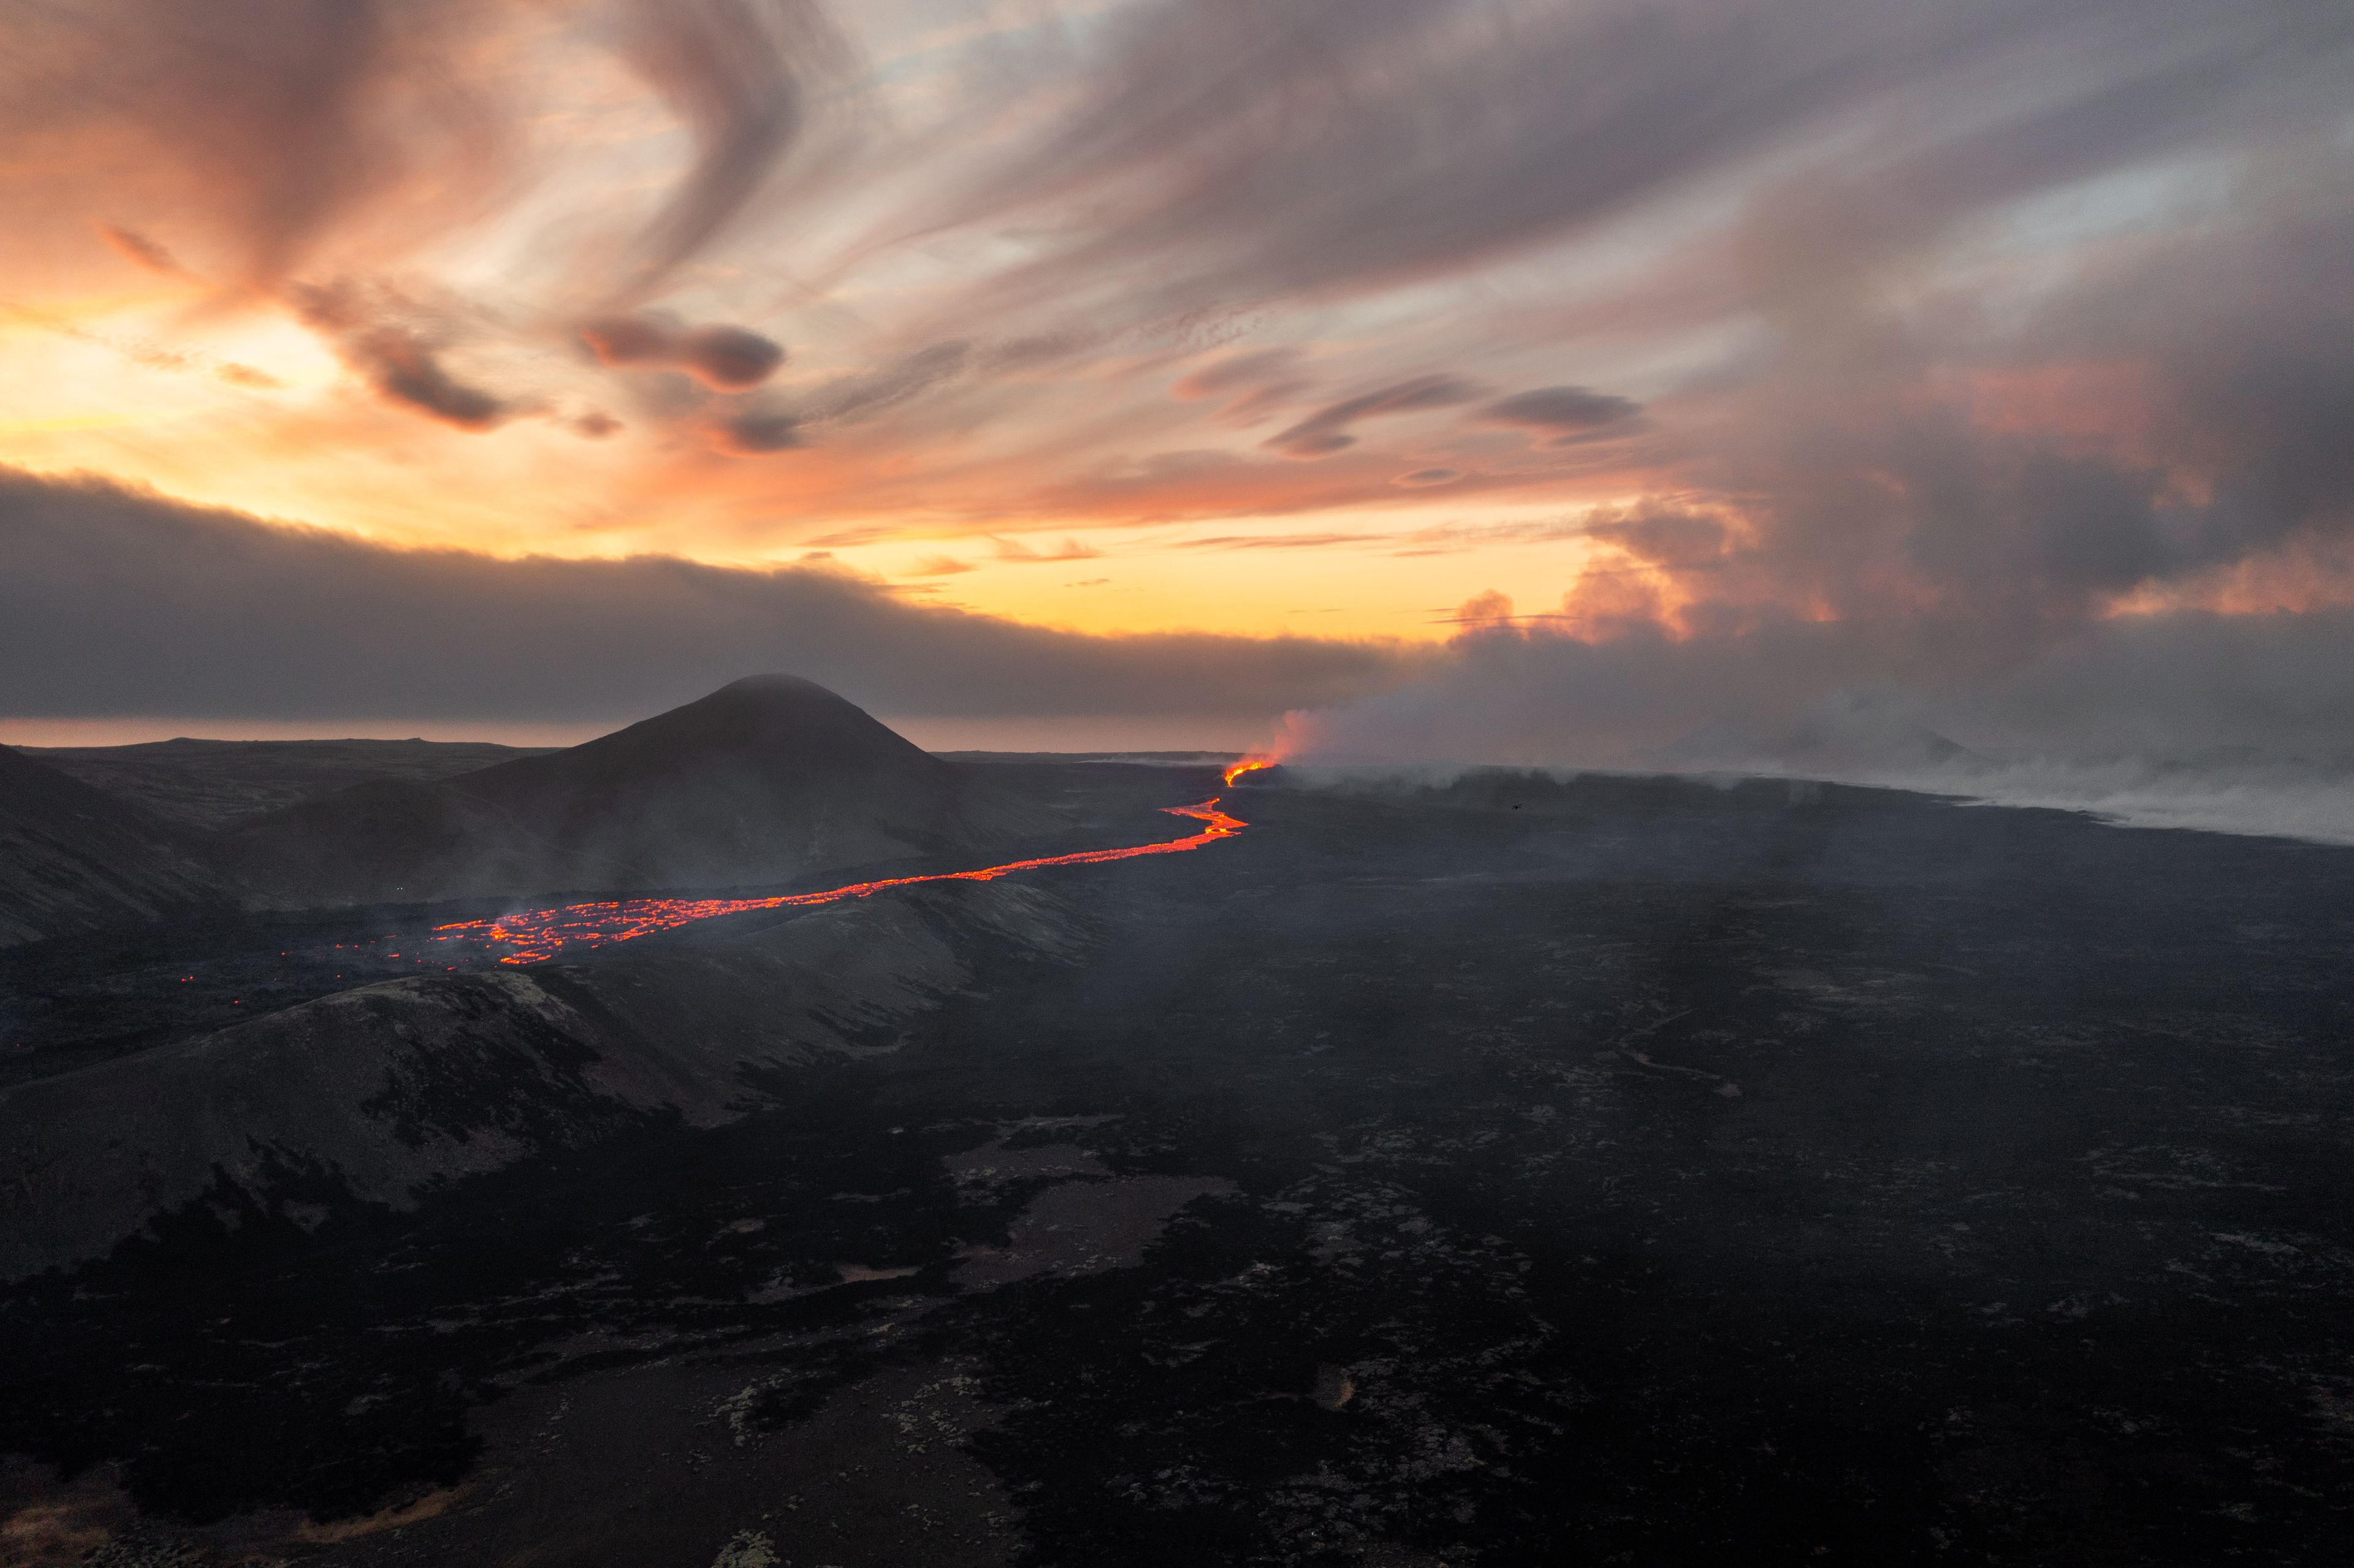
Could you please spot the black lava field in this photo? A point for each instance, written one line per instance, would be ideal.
(1516, 1171)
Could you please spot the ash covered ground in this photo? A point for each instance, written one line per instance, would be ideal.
(1617, 1171)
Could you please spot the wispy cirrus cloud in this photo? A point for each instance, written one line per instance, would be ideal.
(1969, 327)
(1328, 430)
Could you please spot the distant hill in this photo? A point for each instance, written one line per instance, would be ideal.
(74, 859)
(213, 783)
(764, 780)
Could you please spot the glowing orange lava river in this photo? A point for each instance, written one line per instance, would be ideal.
(533, 935)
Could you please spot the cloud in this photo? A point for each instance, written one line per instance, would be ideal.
(1656, 533)
(1484, 608)
(2018, 529)
(744, 75)
(1966, 329)
(1571, 410)
(1327, 148)
(2164, 414)
(1278, 541)
(144, 351)
(1258, 368)
(1267, 378)
(1325, 431)
(142, 252)
(115, 601)
(1455, 538)
(1524, 689)
(751, 432)
(1015, 552)
(396, 359)
(276, 127)
(294, 141)
(728, 358)
(846, 399)
(247, 376)
(2237, 724)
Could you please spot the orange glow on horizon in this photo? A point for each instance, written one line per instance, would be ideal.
(1137, 398)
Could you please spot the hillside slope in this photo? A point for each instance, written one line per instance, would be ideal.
(376, 1095)
(74, 859)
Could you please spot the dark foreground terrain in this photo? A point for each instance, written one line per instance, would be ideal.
(1618, 1172)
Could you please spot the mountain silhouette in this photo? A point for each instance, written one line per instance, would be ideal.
(767, 780)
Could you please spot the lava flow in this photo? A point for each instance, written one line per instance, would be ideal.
(1247, 765)
(538, 933)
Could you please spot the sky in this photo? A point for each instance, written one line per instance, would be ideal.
(1475, 378)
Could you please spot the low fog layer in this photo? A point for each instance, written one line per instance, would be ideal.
(120, 602)
(2241, 724)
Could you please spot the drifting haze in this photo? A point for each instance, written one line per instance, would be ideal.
(1990, 363)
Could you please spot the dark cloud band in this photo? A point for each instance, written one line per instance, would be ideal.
(114, 601)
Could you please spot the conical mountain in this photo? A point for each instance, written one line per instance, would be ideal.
(764, 780)
(75, 859)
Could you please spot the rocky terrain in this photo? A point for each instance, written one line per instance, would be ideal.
(377, 1094)
(73, 858)
(1517, 1173)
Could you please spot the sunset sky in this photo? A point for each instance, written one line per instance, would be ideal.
(1569, 375)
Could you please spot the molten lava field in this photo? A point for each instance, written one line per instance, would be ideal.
(1510, 1171)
